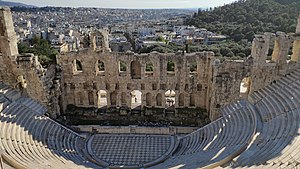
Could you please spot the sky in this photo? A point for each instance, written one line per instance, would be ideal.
(138, 4)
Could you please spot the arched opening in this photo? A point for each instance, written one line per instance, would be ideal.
(91, 98)
(186, 87)
(154, 86)
(192, 100)
(181, 100)
(135, 70)
(193, 68)
(143, 86)
(245, 87)
(100, 67)
(122, 66)
(123, 99)
(102, 98)
(117, 86)
(271, 47)
(158, 99)
(199, 87)
(113, 98)
(149, 69)
(77, 67)
(171, 68)
(80, 98)
(148, 99)
(170, 98)
(99, 41)
(136, 99)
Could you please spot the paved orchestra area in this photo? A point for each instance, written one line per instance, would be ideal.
(130, 150)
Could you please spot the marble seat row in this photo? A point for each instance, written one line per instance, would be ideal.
(14, 95)
(31, 140)
(34, 140)
(232, 107)
(217, 142)
(275, 86)
(9, 92)
(4, 102)
(276, 140)
(264, 133)
(32, 104)
(277, 144)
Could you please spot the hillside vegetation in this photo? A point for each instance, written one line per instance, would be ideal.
(240, 21)
(14, 4)
(39, 47)
(244, 18)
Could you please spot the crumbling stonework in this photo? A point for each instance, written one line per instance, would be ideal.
(296, 45)
(260, 71)
(140, 84)
(213, 85)
(23, 72)
(80, 85)
(8, 47)
(83, 87)
(99, 41)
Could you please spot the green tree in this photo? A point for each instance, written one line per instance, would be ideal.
(41, 48)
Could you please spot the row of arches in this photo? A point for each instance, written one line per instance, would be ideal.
(135, 68)
(134, 101)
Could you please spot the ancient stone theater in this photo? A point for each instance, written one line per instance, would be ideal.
(245, 113)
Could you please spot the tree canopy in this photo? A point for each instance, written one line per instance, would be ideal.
(244, 18)
(39, 47)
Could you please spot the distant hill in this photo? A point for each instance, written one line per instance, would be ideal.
(14, 4)
(244, 18)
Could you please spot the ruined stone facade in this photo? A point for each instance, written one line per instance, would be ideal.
(296, 45)
(81, 87)
(99, 41)
(112, 81)
(256, 68)
(127, 82)
(211, 85)
(24, 72)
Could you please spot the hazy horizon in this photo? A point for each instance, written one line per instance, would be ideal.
(128, 4)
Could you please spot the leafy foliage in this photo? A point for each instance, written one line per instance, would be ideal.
(244, 18)
(78, 65)
(193, 67)
(122, 66)
(226, 49)
(39, 47)
(170, 66)
(149, 67)
(101, 66)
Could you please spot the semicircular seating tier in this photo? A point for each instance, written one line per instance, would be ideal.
(31, 140)
(261, 133)
(277, 141)
(215, 143)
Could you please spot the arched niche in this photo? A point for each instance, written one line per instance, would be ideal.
(181, 100)
(135, 70)
(148, 99)
(102, 98)
(159, 99)
(136, 99)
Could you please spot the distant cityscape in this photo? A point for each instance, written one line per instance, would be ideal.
(129, 29)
